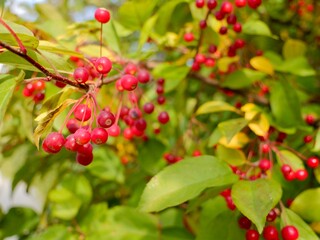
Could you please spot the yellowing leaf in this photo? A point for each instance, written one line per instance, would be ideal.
(238, 141)
(215, 106)
(262, 64)
(294, 48)
(223, 63)
(260, 125)
(46, 120)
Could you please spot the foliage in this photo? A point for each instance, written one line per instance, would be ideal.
(235, 133)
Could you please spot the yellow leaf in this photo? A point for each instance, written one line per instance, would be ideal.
(238, 141)
(215, 106)
(260, 125)
(262, 64)
(45, 120)
(223, 63)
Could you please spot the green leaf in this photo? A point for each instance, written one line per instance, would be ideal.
(287, 157)
(55, 232)
(172, 73)
(187, 179)
(256, 27)
(133, 15)
(293, 48)
(231, 156)
(297, 66)
(18, 221)
(215, 137)
(223, 226)
(231, 127)
(255, 199)
(242, 78)
(111, 37)
(307, 205)
(45, 120)
(56, 60)
(147, 29)
(106, 165)
(216, 106)
(7, 86)
(285, 105)
(56, 48)
(154, 162)
(176, 234)
(288, 217)
(316, 147)
(25, 35)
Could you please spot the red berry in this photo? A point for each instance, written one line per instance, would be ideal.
(135, 113)
(38, 97)
(129, 82)
(82, 112)
(39, 85)
(270, 233)
(272, 215)
(231, 19)
(219, 15)
(163, 117)
(313, 162)
(105, 119)
(301, 174)
(26, 92)
(160, 89)
(265, 148)
(240, 3)
(196, 153)
(71, 143)
(252, 235)
(84, 159)
(103, 65)
(140, 124)
(200, 3)
(237, 27)
(143, 76)
(200, 58)
(161, 99)
(161, 81)
(226, 7)
(264, 164)
(202, 24)
(254, 3)
(99, 135)
(211, 4)
(131, 69)
(310, 119)
(102, 15)
(286, 169)
(212, 48)
(73, 125)
(170, 158)
(308, 139)
(188, 37)
(289, 233)
(53, 142)
(290, 176)
(114, 130)
(81, 75)
(210, 62)
(82, 136)
(85, 149)
(244, 222)
(148, 108)
(259, 52)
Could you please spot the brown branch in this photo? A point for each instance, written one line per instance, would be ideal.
(42, 68)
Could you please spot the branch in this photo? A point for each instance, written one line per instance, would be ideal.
(42, 68)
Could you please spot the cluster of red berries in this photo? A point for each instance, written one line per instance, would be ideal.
(301, 7)
(35, 90)
(227, 196)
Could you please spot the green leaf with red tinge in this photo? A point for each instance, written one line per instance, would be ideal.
(45, 120)
(255, 199)
(183, 181)
(289, 217)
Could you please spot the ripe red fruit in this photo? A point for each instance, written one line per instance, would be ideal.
(240, 3)
(102, 15)
(130, 69)
(38, 97)
(272, 215)
(211, 4)
(82, 112)
(143, 76)
(270, 233)
(99, 135)
(39, 85)
(200, 58)
(103, 65)
(286, 169)
(219, 15)
(114, 130)
(252, 234)
(264, 164)
(188, 37)
(290, 176)
(226, 7)
(212, 48)
(289, 233)
(301, 174)
(202, 24)
(160, 89)
(310, 119)
(140, 124)
(84, 159)
(82, 136)
(163, 117)
(200, 3)
(313, 162)
(161, 81)
(105, 119)
(254, 3)
(81, 74)
(231, 19)
(148, 108)
(161, 99)
(129, 82)
(237, 27)
(71, 143)
(135, 113)
(244, 222)
(53, 142)
(72, 125)
(265, 148)
(85, 149)
(308, 139)
(196, 153)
